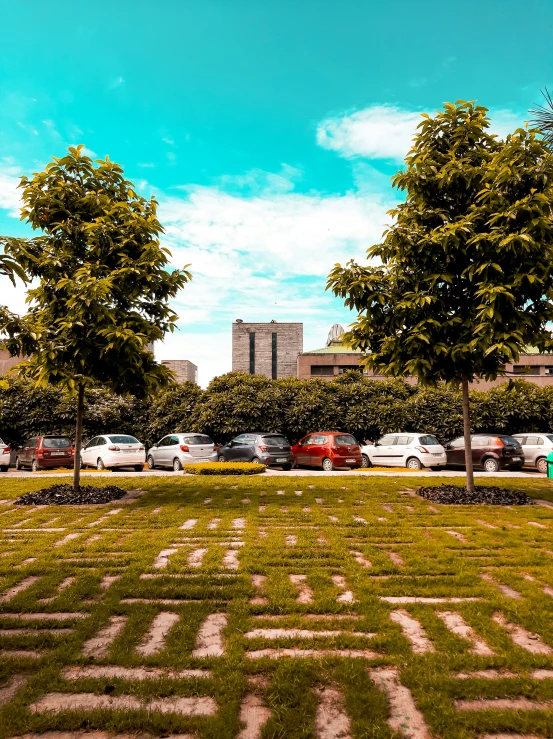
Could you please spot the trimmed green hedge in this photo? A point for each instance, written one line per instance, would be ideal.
(237, 402)
(224, 468)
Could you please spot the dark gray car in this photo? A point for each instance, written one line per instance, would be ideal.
(270, 449)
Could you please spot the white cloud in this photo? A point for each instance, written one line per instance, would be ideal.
(10, 198)
(88, 152)
(379, 132)
(386, 132)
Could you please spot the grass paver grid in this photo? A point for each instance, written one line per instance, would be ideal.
(268, 607)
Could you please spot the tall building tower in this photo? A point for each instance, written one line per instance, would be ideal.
(183, 369)
(269, 349)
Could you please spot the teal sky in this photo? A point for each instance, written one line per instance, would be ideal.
(268, 130)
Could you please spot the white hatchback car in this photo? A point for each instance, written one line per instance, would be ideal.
(410, 450)
(536, 447)
(111, 451)
(176, 450)
(4, 457)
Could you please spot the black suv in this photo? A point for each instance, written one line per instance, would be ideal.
(265, 448)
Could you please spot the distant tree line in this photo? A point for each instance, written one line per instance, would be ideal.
(238, 402)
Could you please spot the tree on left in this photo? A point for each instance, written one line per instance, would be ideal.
(102, 283)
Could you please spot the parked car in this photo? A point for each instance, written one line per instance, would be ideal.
(270, 449)
(327, 449)
(4, 457)
(40, 452)
(405, 449)
(536, 447)
(176, 450)
(111, 451)
(493, 452)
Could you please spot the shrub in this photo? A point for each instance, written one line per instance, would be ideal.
(224, 468)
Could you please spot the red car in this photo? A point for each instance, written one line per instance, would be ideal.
(40, 452)
(327, 449)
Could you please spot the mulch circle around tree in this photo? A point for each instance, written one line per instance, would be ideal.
(65, 495)
(483, 495)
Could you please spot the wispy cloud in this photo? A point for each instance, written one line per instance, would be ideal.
(117, 82)
(10, 199)
(386, 132)
(168, 141)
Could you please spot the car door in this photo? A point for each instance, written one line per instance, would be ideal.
(28, 451)
(401, 450)
(317, 450)
(532, 448)
(248, 448)
(479, 445)
(171, 449)
(383, 451)
(302, 454)
(234, 448)
(161, 454)
(86, 452)
(455, 451)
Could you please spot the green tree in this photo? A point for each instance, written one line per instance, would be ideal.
(11, 269)
(103, 283)
(463, 279)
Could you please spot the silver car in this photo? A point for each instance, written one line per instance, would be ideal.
(4, 457)
(536, 447)
(176, 450)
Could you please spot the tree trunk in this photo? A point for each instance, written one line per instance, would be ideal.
(466, 434)
(78, 436)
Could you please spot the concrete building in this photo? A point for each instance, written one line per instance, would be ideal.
(183, 369)
(269, 349)
(335, 358)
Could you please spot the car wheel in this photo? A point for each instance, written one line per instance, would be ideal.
(177, 466)
(413, 464)
(327, 465)
(365, 461)
(151, 465)
(491, 465)
(34, 466)
(139, 468)
(286, 467)
(4, 468)
(221, 458)
(17, 463)
(541, 465)
(100, 464)
(255, 460)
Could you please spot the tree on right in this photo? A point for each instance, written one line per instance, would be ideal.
(463, 279)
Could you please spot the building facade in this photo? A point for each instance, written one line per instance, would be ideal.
(335, 358)
(269, 349)
(7, 362)
(183, 369)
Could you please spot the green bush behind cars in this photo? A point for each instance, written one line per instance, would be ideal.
(238, 402)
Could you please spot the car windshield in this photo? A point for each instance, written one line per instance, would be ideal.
(509, 441)
(549, 436)
(344, 440)
(197, 439)
(281, 440)
(430, 440)
(56, 442)
(123, 440)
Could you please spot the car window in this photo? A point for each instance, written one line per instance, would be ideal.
(101, 440)
(196, 439)
(549, 437)
(509, 441)
(344, 440)
(249, 439)
(457, 443)
(387, 440)
(521, 439)
(121, 439)
(530, 441)
(56, 442)
(429, 440)
(31, 442)
(320, 440)
(164, 441)
(308, 441)
(240, 440)
(480, 441)
(275, 439)
(403, 440)
(91, 443)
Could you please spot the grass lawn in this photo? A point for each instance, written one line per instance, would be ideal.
(277, 607)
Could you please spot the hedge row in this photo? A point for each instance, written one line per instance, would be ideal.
(237, 402)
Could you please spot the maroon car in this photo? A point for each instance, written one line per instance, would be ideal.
(327, 449)
(41, 452)
(493, 452)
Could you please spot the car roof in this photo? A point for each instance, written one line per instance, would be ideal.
(530, 433)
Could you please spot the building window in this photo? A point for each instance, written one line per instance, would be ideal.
(252, 353)
(526, 369)
(348, 367)
(322, 369)
(274, 356)
(549, 370)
